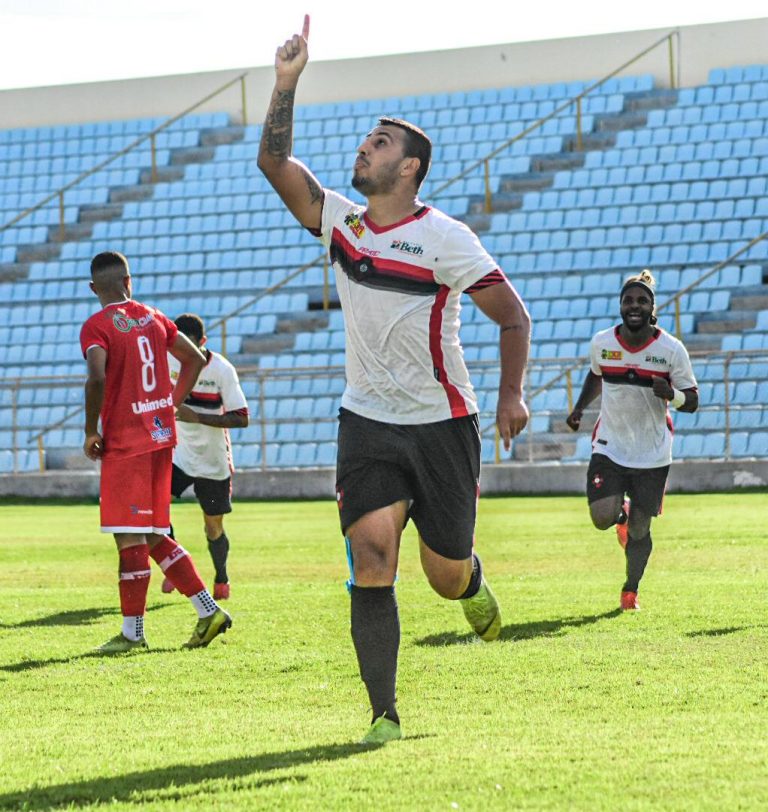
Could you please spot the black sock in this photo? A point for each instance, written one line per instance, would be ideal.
(622, 519)
(170, 533)
(638, 552)
(219, 550)
(376, 635)
(475, 579)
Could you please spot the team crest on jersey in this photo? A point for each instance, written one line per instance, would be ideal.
(355, 224)
(611, 355)
(125, 324)
(161, 433)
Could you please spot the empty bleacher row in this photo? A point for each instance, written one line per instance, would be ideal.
(219, 235)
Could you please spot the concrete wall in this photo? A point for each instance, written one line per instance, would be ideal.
(543, 478)
(701, 48)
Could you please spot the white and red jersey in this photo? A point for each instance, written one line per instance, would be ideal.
(635, 428)
(400, 288)
(206, 451)
(137, 414)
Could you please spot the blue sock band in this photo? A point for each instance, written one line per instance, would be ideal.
(350, 563)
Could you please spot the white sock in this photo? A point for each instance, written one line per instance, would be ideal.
(133, 627)
(204, 603)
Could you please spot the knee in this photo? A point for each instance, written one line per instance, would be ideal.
(602, 520)
(452, 582)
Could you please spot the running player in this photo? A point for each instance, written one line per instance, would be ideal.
(125, 346)
(638, 370)
(409, 444)
(203, 455)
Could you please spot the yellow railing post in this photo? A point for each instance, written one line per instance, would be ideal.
(671, 63)
(326, 285)
(242, 97)
(726, 374)
(678, 327)
(224, 337)
(579, 138)
(569, 387)
(497, 446)
(61, 215)
(262, 424)
(488, 197)
(40, 453)
(153, 150)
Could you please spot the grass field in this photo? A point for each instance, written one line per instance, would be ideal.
(577, 707)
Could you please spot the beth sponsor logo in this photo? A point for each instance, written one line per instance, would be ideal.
(407, 247)
(162, 433)
(125, 324)
(355, 225)
(611, 355)
(654, 359)
(146, 405)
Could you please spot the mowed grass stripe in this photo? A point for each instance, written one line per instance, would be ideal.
(577, 706)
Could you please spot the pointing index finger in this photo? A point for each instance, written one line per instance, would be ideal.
(305, 28)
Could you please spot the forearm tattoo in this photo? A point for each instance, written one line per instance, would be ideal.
(278, 128)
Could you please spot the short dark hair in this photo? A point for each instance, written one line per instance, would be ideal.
(191, 325)
(109, 259)
(417, 144)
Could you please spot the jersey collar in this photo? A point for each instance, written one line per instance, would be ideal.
(417, 215)
(630, 347)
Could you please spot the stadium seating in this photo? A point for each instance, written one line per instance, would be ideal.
(680, 193)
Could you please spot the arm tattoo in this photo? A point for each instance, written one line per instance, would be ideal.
(278, 128)
(315, 190)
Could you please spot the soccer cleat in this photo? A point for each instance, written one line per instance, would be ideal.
(120, 644)
(482, 612)
(221, 592)
(629, 602)
(167, 586)
(208, 627)
(382, 730)
(622, 530)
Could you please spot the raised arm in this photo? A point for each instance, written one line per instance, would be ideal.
(297, 186)
(502, 304)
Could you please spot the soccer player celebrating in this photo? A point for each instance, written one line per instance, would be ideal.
(125, 346)
(638, 370)
(408, 445)
(203, 456)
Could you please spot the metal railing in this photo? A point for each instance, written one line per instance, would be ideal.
(575, 101)
(150, 136)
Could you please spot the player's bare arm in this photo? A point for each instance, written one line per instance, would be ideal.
(228, 420)
(592, 387)
(94, 398)
(664, 390)
(192, 361)
(502, 304)
(297, 186)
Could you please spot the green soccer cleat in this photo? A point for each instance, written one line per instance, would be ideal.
(120, 644)
(207, 628)
(482, 613)
(383, 730)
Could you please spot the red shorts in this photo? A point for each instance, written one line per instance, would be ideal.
(136, 493)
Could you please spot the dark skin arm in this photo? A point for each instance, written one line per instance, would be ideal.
(192, 361)
(228, 420)
(592, 387)
(663, 389)
(94, 398)
(502, 304)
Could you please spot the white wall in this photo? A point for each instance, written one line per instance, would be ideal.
(582, 58)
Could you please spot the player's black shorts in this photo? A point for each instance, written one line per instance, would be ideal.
(214, 495)
(644, 486)
(434, 465)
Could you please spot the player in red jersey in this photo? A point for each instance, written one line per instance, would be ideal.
(129, 387)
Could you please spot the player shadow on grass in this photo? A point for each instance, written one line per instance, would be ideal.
(720, 632)
(31, 665)
(180, 781)
(75, 617)
(520, 631)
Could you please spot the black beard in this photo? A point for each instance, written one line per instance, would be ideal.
(359, 183)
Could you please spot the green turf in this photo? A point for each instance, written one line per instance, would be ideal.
(577, 707)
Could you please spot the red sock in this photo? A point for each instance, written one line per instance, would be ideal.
(134, 580)
(178, 566)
